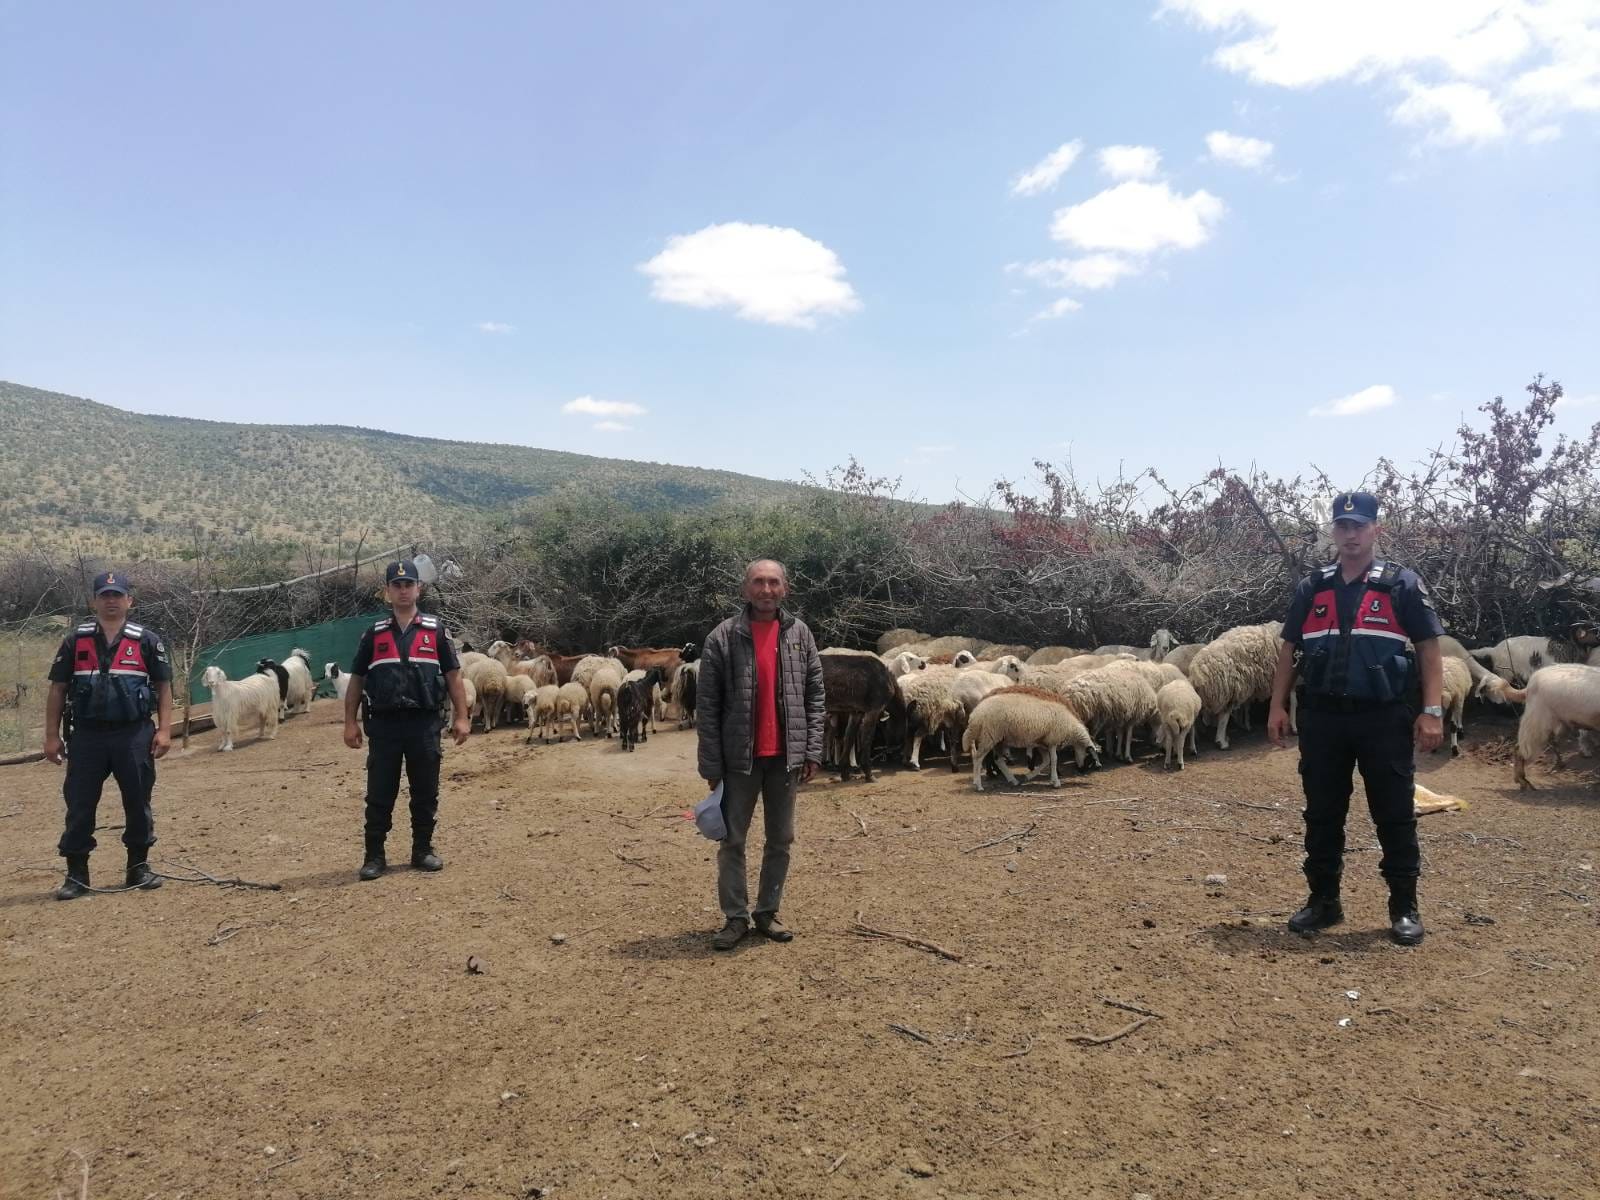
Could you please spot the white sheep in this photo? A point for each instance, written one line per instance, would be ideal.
(539, 668)
(604, 684)
(1162, 642)
(238, 703)
(971, 686)
(571, 701)
(469, 699)
(488, 676)
(930, 709)
(1024, 719)
(1558, 698)
(942, 647)
(301, 684)
(903, 662)
(1517, 658)
(896, 638)
(1112, 702)
(1177, 715)
(990, 651)
(1009, 665)
(519, 690)
(1049, 656)
(339, 679)
(541, 711)
(1182, 656)
(1457, 687)
(1235, 671)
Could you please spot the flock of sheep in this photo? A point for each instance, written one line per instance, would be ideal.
(965, 694)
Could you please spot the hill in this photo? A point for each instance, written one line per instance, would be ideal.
(73, 470)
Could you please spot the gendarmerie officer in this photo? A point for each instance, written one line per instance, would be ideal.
(401, 673)
(109, 677)
(1350, 621)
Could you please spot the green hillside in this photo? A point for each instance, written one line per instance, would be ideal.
(72, 470)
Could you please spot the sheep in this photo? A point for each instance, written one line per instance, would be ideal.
(1112, 702)
(896, 638)
(1516, 658)
(339, 679)
(903, 662)
(993, 650)
(470, 700)
(1157, 674)
(1177, 714)
(934, 647)
(930, 708)
(571, 701)
(237, 703)
(488, 676)
(1009, 665)
(585, 669)
(542, 711)
(1024, 718)
(1182, 656)
(971, 686)
(604, 684)
(1162, 643)
(1457, 687)
(1558, 698)
(518, 689)
(1049, 656)
(1234, 671)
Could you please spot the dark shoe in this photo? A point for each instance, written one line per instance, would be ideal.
(768, 926)
(1322, 910)
(1405, 923)
(730, 935)
(77, 881)
(139, 873)
(424, 859)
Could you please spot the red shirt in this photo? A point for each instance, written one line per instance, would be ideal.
(765, 636)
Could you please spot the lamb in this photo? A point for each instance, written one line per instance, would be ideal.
(488, 676)
(653, 679)
(339, 679)
(1484, 682)
(1024, 718)
(1558, 698)
(542, 712)
(604, 684)
(571, 701)
(1234, 671)
(236, 704)
(634, 702)
(1177, 714)
(1517, 658)
(1049, 656)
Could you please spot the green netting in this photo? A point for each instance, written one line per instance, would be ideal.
(331, 641)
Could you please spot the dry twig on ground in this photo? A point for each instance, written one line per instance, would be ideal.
(863, 930)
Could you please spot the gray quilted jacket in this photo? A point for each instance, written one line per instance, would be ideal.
(725, 700)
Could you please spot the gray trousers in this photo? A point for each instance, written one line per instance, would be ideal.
(774, 784)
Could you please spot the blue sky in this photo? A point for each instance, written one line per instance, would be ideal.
(767, 237)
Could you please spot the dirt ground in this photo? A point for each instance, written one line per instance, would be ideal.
(327, 1039)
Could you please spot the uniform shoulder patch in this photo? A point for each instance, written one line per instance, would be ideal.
(136, 631)
(381, 625)
(427, 622)
(86, 627)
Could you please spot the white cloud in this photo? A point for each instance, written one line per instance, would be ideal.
(1524, 60)
(1568, 402)
(1138, 218)
(1044, 174)
(1544, 133)
(1456, 113)
(496, 327)
(1092, 271)
(589, 406)
(1238, 150)
(611, 427)
(1130, 162)
(1057, 308)
(1370, 399)
(763, 272)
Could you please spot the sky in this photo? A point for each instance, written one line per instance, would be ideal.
(947, 239)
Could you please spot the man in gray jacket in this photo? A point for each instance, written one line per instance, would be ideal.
(759, 712)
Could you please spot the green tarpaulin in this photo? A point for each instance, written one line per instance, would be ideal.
(331, 641)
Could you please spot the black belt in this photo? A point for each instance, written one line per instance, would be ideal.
(109, 726)
(1347, 704)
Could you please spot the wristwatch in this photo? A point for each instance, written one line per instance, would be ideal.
(1433, 710)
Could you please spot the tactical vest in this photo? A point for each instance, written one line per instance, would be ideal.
(1371, 661)
(116, 691)
(401, 680)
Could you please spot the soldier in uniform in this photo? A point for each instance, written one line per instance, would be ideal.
(1350, 622)
(108, 679)
(402, 671)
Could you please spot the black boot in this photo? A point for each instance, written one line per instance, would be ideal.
(77, 881)
(1321, 910)
(139, 873)
(1405, 923)
(375, 864)
(423, 858)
